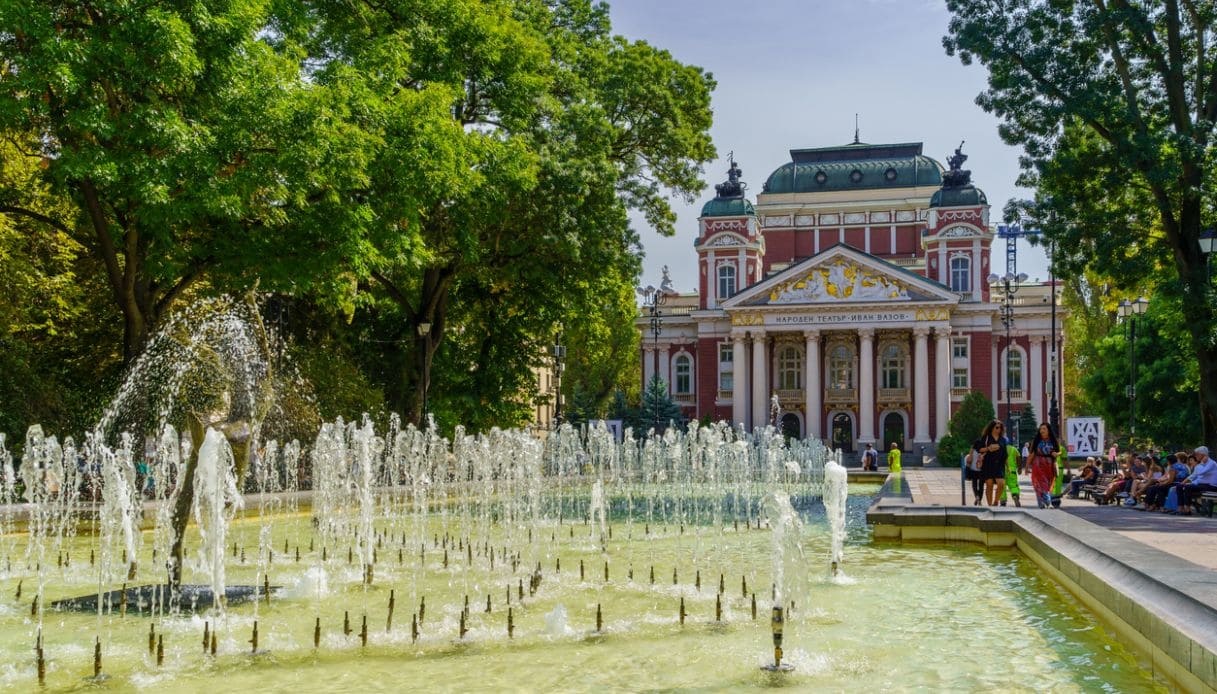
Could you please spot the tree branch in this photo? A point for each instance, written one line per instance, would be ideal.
(37, 216)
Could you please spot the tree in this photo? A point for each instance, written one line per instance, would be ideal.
(658, 410)
(1114, 104)
(974, 414)
(186, 144)
(1167, 410)
(559, 129)
(1027, 423)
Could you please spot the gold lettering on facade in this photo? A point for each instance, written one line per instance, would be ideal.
(747, 319)
(932, 314)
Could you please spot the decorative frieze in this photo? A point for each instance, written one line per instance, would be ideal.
(830, 219)
(779, 221)
(905, 216)
(880, 217)
(804, 220)
(855, 218)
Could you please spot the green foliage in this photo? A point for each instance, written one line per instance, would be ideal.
(1167, 410)
(974, 413)
(465, 165)
(1027, 423)
(658, 409)
(1113, 105)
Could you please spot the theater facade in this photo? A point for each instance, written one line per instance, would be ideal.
(854, 290)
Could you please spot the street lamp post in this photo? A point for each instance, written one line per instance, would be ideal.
(424, 331)
(1007, 285)
(1208, 246)
(1129, 310)
(1054, 408)
(558, 352)
(652, 299)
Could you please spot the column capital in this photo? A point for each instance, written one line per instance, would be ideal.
(738, 336)
(942, 332)
(866, 333)
(1037, 339)
(648, 348)
(758, 335)
(922, 331)
(811, 334)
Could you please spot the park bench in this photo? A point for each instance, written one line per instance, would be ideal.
(1206, 502)
(1095, 491)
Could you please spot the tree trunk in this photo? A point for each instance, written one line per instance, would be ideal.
(181, 509)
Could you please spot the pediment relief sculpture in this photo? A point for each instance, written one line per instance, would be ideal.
(839, 281)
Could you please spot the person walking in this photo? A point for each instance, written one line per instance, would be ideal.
(991, 446)
(870, 459)
(893, 458)
(1043, 465)
(1014, 462)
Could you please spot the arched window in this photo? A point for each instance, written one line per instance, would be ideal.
(726, 280)
(961, 273)
(894, 361)
(1014, 369)
(790, 369)
(683, 367)
(841, 368)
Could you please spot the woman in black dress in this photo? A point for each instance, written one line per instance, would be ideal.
(992, 447)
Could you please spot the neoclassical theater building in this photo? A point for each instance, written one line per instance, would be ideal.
(855, 290)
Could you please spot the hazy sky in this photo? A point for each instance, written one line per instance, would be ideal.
(792, 73)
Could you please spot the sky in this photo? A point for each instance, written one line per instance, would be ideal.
(792, 73)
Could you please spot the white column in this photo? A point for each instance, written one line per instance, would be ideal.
(921, 385)
(739, 377)
(711, 282)
(665, 368)
(760, 394)
(648, 365)
(1036, 354)
(942, 380)
(866, 386)
(813, 389)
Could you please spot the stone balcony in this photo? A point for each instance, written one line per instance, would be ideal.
(893, 395)
(832, 395)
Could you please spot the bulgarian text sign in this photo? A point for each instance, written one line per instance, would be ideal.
(1085, 436)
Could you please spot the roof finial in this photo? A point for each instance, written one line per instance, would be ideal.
(856, 140)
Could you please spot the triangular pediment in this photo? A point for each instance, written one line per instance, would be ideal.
(842, 275)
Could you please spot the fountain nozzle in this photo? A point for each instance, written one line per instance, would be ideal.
(777, 624)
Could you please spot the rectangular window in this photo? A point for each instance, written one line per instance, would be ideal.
(959, 379)
(959, 348)
(726, 382)
(726, 353)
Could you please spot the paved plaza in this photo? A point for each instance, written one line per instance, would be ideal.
(1193, 538)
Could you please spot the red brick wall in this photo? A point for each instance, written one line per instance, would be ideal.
(856, 237)
(707, 374)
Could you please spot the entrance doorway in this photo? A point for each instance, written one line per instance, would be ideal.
(843, 432)
(893, 430)
(790, 425)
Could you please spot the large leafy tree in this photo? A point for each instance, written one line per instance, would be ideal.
(185, 141)
(559, 129)
(1167, 410)
(1114, 103)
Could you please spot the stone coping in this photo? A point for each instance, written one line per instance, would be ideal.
(1164, 606)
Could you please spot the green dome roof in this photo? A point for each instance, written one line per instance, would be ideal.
(968, 196)
(727, 207)
(857, 166)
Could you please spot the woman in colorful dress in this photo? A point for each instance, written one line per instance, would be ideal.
(1043, 465)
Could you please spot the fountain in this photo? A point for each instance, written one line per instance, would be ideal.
(361, 519)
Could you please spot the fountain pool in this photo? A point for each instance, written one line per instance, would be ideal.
(928, 618)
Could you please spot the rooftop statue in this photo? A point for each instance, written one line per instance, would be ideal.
(957, 176)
